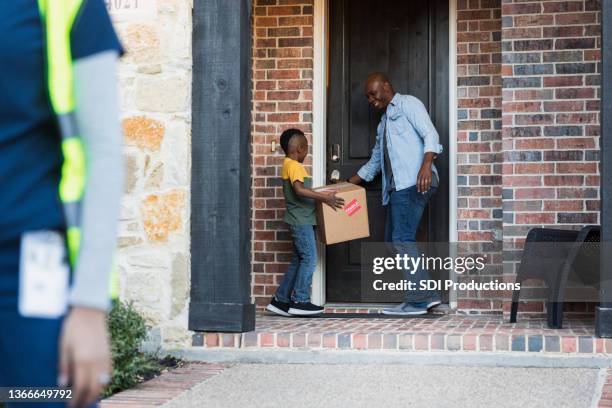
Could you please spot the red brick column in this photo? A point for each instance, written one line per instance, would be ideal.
(550, 120)
(282, 98)
(479, 201)
(479, 113)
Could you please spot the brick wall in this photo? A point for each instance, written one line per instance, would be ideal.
(551, 114)
(282, 98)
(551, 53)
(479, 119)
(479, 204)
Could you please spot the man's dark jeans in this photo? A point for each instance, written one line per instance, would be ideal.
(404, 214)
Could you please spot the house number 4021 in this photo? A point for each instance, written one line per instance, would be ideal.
(132, 10)
(114, 5)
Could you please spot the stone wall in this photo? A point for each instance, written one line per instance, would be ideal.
(155, 88)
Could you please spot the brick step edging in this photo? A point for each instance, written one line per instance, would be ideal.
(498, 342)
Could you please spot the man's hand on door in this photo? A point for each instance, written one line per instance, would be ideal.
(355, 179)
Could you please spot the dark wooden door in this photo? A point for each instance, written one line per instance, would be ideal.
(407, 40)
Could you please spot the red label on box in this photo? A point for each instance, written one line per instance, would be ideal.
(352, 207)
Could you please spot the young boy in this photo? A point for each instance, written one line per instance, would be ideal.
(293, 295)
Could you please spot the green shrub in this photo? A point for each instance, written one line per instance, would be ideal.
(127, 332)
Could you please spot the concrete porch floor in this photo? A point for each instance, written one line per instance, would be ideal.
(440, 332)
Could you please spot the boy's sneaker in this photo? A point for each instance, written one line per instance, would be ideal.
(278, 307)
(304, 309)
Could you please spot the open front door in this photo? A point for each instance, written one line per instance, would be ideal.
(408, 40)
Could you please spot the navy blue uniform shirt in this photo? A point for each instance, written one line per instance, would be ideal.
(30, 155)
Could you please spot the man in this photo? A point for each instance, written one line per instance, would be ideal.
(406, 145)
(61, 177)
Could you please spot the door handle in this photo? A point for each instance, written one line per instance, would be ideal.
(334, 154)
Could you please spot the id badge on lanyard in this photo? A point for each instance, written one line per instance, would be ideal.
(43, 275)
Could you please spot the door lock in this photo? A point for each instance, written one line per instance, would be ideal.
(334, 176)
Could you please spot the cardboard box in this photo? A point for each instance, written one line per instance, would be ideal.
(344, 224)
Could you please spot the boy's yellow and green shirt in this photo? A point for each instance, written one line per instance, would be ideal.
(300, 211)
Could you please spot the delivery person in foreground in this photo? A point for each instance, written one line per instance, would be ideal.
(61, 177)
(292, 297)
(406, 145)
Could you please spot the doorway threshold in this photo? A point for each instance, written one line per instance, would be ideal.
(372, 308)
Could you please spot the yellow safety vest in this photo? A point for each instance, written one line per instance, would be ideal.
(58, 18)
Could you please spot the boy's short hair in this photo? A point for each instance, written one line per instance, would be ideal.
(286, 138)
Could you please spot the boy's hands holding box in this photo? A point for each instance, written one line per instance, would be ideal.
(333, 201)
(350, 223)
(327, 197)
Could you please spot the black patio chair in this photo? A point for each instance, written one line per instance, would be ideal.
(544, 253)
(583, 259)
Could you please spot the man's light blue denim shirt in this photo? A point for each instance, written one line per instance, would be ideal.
(410, 135)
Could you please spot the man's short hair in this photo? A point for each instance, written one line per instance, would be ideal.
(378, 76)
(286, 137)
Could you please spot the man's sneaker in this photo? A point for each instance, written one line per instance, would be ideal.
(280, 308)
(434, 302)
(304, 309)
(407, 309)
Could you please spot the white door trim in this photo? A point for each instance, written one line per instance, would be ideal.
(319, 128)
(452, 135)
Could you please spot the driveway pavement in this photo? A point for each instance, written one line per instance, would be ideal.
(310, 385)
